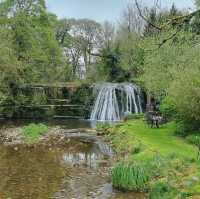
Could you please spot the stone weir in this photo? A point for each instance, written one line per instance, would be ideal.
(50, 101)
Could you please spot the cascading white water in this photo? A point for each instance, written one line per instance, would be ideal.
(114, 100)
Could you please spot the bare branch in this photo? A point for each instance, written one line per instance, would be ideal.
(144, 18)
(167, 39)
(181, 19)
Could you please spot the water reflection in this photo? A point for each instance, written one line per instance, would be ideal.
(72, 168)
(78, 153)
(32, 173)
(37, 172)
(85, 159)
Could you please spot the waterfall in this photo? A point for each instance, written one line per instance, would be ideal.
(114, 100)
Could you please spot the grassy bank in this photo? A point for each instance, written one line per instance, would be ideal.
(154, 161)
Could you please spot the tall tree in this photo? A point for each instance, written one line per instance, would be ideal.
(33, 38)
(197, 3)
(131, 20)
(79, 38)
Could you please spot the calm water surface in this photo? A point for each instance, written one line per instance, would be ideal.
(72, 169)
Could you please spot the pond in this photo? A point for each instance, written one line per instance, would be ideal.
(73, 169)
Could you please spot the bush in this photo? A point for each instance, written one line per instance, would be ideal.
(130, 177)
(180, 128)
(184, 128)
(162, 190)
(185, 94)
(167, 108)
(195, 140)
(32, 132)
(136, 149)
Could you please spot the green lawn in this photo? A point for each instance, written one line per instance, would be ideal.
(158, 154)
(160, 140)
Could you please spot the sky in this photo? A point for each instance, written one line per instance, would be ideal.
(102, 10)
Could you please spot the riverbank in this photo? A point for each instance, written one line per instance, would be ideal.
(154, 161)
(15, 135)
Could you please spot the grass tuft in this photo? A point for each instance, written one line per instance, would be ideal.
(32, 132)
(130, 177)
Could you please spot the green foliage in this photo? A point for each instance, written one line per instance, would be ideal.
(184, 91)
(161, 140)
(130, 177)
(197, 3)
(195, 140)
(162, 190)
(132, 55)
(111, 65)
(29, 52)
(32, 132)
(135, 116)
(181, 129)
(168, 77)
(160, 165)
(167, 108)
(103, 126)
(82, 95)
(137, 148)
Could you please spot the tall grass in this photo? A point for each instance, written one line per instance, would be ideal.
(32, 132)
(130, 177)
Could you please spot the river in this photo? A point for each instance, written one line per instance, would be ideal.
(74, 168)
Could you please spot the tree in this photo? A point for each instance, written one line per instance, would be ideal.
(30, 7)
(79, 38)
(173, 11)
(107, 35)
(197, 3)
(131, 54)
(131, 21)
(29, 50)
(33, 39)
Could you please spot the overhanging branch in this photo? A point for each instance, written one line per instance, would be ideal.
(144, 18)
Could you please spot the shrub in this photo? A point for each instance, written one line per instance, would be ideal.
(195, 140)
(136, 149)
(180, 128)
(184, 128)
(185, 94)
(32, 132)
(167, 108)
(130, 177)
(162, 190)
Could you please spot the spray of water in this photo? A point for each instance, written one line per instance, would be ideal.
(114, 100)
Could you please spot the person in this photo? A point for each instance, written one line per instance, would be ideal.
(153, 118)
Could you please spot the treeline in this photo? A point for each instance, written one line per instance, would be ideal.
(156, 48)
(29, 51)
